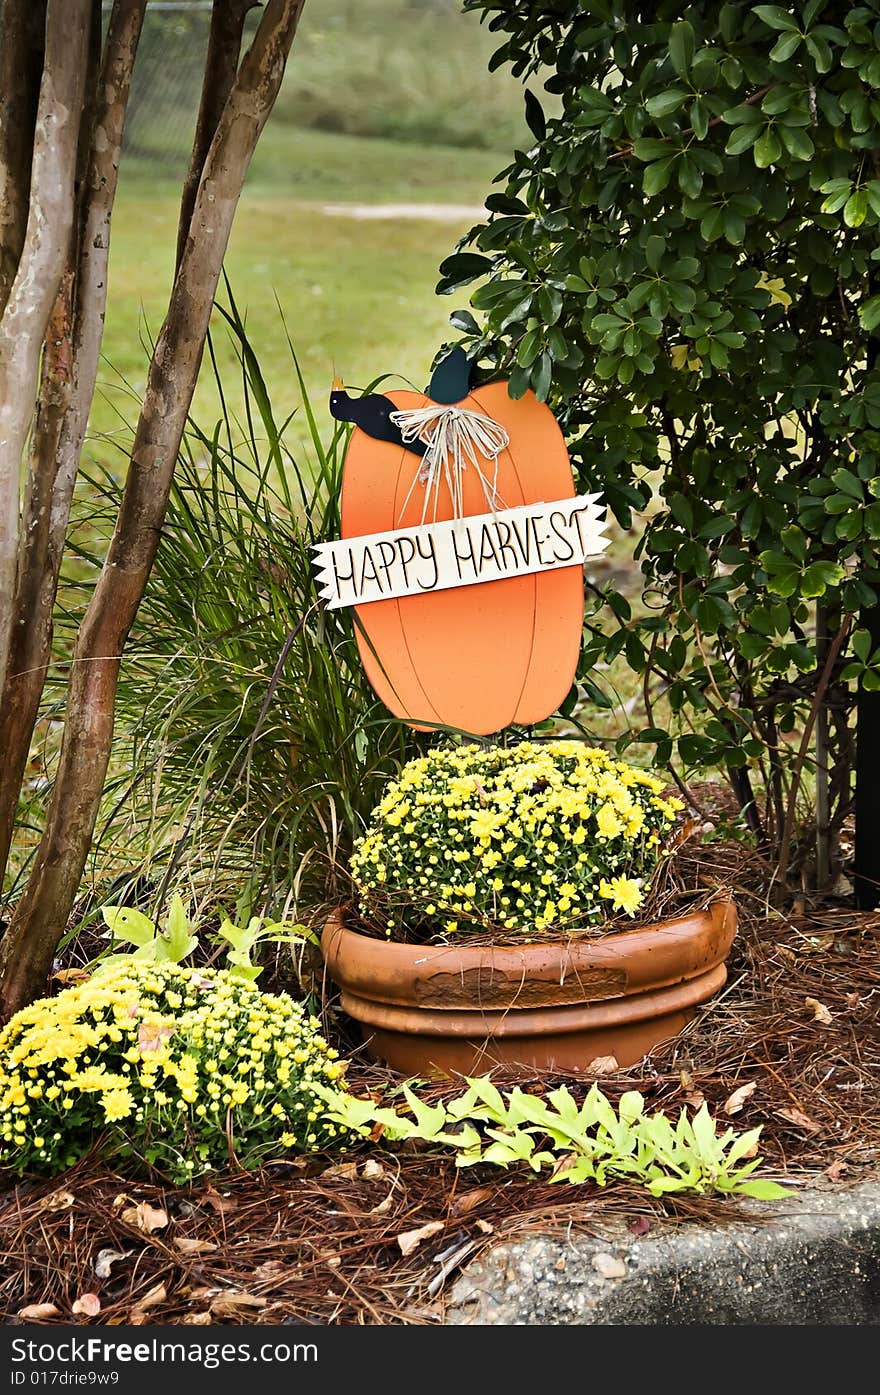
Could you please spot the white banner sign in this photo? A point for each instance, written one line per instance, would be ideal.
(460, 552)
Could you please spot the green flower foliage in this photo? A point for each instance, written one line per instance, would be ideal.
(686, 266)
(571, 1142)
(185, 1069)
(174, 939)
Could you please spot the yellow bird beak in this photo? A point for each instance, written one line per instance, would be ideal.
(337, 385)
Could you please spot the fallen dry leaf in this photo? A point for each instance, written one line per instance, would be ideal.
(372, 1169)
(485, 1226)
(220, 1203)
(819, 1011)
(468, 1201)
(145, 1217)
(836, 1171)
(194, 1247)
(735, 1101)
(105, 1259)
(201, 1294)
(853, 1000)
(609, 1266)
(799, 1119)
(695, 1099)
(153, 1296)
(563, 1165)
(66, 977)
(57, 1201)
(152, 1037)
(603, 1065)
(410, 1240)
(687, 831)
(384, 1205)
(197, 1320)
(88, 1304)
(233, 1302)
(348, 1169)
(686, 1078)
(151, 1299)
(36, 1312)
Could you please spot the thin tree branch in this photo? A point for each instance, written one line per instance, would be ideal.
(221, 65)
(625, 153)
(825, 678)
(22, 43)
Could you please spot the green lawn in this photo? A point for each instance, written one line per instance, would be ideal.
(357, 295)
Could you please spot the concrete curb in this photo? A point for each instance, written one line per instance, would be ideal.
(812, 1259)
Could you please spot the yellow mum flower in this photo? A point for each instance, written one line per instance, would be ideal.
(608, 822)
(623, 893)
(117, 1104)
(552, 817)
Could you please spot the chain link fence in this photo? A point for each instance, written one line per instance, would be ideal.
(167, 82)
(401, 70)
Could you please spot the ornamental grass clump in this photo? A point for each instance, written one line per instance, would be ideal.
(185, 1069)
(528, 838)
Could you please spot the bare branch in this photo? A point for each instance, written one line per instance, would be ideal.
(23, 35)
(50, 220)
(26, 949)
(221, 65)
(831, 656)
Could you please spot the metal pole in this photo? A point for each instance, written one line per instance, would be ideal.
(867, 850)
(823, 818)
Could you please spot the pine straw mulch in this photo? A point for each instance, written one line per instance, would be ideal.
(792, 1043)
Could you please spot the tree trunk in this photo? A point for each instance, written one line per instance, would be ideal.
(42, 914)
(22, 42)
(70, 370)
(33, 292)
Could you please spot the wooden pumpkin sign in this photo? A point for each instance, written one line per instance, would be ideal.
(462, 548)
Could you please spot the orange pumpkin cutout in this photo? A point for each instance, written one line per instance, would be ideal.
(483, 656)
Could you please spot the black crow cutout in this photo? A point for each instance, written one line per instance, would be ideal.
(372, 413)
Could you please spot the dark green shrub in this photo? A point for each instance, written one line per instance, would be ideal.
(685, 265)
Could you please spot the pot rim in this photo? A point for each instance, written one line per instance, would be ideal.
(576, 946)
(571, 970)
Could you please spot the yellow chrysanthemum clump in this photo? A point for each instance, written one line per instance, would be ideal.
(536, 837)
(168, 1064)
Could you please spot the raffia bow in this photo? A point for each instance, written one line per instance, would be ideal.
(456, 438)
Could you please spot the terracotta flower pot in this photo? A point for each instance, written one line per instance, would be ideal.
(556, 1005)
